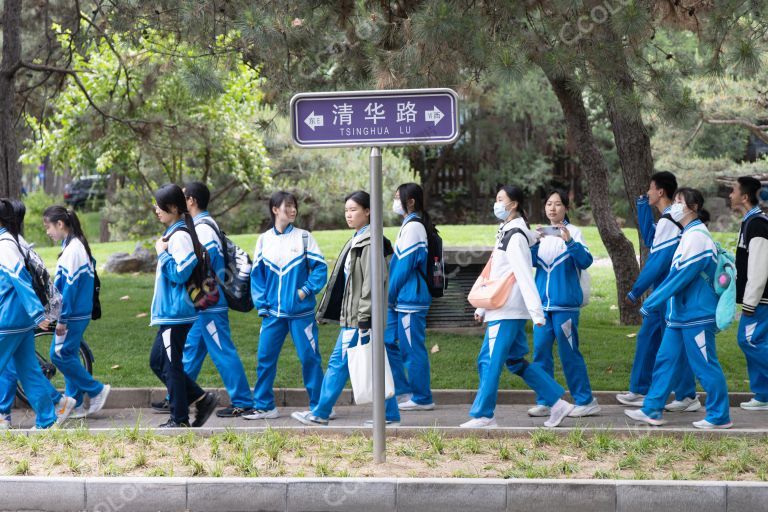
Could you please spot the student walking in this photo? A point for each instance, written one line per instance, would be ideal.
(8, 378)
(20, 312)
(75, 280)
(288, 271)
(662, 239)
(347, 300)
(409, 300)
(210, 334)
(689, 299)
(560, 259)
(751, 288)
(179, 260)
(505, 342)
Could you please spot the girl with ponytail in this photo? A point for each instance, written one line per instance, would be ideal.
(20, 312)
(75, 276)
(179, 253)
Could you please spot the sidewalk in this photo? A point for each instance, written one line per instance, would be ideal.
(511, 419)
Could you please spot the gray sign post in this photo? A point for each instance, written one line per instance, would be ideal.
(375, 119)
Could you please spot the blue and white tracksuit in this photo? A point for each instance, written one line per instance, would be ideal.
(20, 312)
(559, 266)
(662, 239)
(280, 269)
(409, 300)
(690, 302)
(74, 279)
(505, 341)
(9, 378)
(173, 312)
(210, 334)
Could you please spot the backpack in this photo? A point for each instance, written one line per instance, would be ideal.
(434, 274)
(96, 311)
(49, 296)
(724, 286)
(207, 293)
(585, 281)
(236, 282)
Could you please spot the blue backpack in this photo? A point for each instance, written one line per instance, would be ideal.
(724, 286)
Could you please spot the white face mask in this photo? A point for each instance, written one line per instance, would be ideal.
(500, 210)
(397, 207)
(677, 212)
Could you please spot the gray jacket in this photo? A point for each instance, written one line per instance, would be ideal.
(349, 301)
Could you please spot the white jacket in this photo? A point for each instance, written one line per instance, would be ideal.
(513, 253)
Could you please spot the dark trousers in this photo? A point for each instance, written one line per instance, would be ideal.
(166, 361)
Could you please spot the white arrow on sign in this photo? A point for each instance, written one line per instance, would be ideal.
(433, 115)
(312, 120)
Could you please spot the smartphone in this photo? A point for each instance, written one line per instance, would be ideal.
(549, 231)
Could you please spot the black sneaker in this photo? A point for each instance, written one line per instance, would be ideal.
(232, 412)
(161, 407)
(205, 407)
(173, 424)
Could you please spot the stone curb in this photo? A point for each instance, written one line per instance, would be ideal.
(376, 495)
(126, 398)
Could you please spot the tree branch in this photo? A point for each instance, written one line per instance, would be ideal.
(237, 201)
(758, 131)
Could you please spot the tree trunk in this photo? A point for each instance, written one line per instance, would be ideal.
(595, 169)
(10, 168)
(633, 144)
(109, 195)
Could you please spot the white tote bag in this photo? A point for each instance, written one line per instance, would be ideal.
(360, 363)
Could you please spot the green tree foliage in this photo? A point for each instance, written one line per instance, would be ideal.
(149, 119)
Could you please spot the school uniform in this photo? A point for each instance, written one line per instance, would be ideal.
(558, 270)
(20, 312)
(283, 264)
(347, 300)
(75, 280)
(505, 341)
(409, 301)
(210, 334)
(752, 294)
(8, 377)
(690, 301)
(662, 239)
(173, 312)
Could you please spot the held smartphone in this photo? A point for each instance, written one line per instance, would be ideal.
(549, 231)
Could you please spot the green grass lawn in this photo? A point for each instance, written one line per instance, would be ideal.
(123, 339)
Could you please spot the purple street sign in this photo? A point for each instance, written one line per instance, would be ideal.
(374, 118)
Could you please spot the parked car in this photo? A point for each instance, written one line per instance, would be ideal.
(86, 189)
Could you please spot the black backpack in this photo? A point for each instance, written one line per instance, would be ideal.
(236, 283)
(207, 293)
(434, 274)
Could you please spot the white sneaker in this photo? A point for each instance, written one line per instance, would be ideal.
(705, 425)
(388, 423)
(560, 410)
(639, 415)
(98, 401)
(64, 409)
(307, 418)
(5, 422)
(631, 399)
(754, 405)
(590, 409)
(333, 414)
(410, 405)
(261, 414)
(404, 397)
(539, 411)
(79, 412)
(480, 423)
(685, 405)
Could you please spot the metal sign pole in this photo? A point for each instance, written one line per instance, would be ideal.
(379, 306)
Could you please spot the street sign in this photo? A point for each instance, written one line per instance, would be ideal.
(374, 118)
